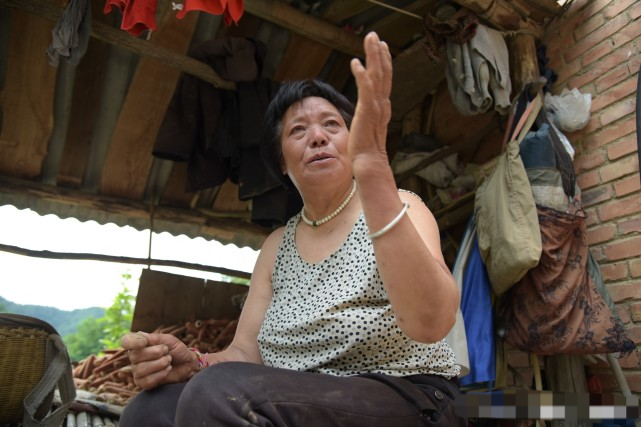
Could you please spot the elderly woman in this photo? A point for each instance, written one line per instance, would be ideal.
(349, 302)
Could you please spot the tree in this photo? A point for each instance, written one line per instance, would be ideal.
(118, 317)
(86, 340)
(96, 335)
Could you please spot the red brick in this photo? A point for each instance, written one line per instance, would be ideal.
(616, 8)
(617, 75)
(618, 169)
(596, 195)
(588, 26)
(630, 361)
(635, 334)
(617, 111)
(613, 272)
(567, 71)
(635, 267)
(593, 7)
(597, 52)
(615, 58)
(601, 233)
(605, 98)
(625, 291)
(630, 226)
(625, 146)
(623, 249)
(624, 313)
(588, 179)
(610, 133)
(584, 162)
(635, 11)
(626, 186)
(634, 63)
(635, 311)
(627, 33)
(634, 381)
(610, 27)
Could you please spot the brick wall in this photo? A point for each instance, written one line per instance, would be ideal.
(596, 47)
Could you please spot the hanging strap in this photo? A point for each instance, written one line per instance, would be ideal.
(638, 114)
(527, 119)
(58, 372)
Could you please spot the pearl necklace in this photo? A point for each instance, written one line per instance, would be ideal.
(333, 214)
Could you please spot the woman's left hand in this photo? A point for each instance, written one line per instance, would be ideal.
(368, 132)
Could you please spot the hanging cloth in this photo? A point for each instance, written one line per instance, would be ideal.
(70, 36)
(137, 16)
(232, 10)
(476, 304)
(557, 308)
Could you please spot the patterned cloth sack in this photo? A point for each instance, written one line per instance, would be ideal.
(557, 307)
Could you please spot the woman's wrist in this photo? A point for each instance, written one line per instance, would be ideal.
(201, 360)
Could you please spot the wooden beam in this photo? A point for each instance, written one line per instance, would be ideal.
(122, 260)
(107, 34)
(306, 25)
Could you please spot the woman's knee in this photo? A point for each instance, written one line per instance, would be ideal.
(155, 407)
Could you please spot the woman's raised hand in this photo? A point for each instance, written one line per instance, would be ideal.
(368, 132)
(158, 359)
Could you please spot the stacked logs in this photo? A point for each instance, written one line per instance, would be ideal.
(110, 376)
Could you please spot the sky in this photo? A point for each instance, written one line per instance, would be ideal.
(73, 284)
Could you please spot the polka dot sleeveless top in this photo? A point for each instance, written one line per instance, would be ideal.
(334, 317)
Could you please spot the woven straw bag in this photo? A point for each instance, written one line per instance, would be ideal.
(33, 361)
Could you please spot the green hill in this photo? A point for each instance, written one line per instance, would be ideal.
(65, 322)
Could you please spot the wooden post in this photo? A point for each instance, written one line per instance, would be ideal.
(524, 66)
(566, 374)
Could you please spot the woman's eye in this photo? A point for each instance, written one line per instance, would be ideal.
(297, 129)
(331, 123)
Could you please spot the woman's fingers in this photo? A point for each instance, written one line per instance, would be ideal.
(376, 74)
(133, 341)
(148, 375)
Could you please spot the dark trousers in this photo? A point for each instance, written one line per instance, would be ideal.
(246, 394)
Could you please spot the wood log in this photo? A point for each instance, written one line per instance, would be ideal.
(524, 66)
(101, 31)
(502, 15)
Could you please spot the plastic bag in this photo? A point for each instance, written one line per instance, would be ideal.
(569, 111)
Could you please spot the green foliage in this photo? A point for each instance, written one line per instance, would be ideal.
(86, 340)
(118, 317)
(236, 280)
(95, 335)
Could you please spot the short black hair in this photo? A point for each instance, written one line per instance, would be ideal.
(288, 94)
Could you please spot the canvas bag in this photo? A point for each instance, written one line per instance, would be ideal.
(33, 361)
(507, 225)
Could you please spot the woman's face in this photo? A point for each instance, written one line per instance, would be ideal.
(314, 142)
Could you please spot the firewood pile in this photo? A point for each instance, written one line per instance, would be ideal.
(110, 376)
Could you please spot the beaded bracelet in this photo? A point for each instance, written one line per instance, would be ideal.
(202, 359)
(391, 224)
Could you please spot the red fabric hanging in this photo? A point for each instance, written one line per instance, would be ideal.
(137, 16)
(231, 9)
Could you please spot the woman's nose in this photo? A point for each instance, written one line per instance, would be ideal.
(317, 136)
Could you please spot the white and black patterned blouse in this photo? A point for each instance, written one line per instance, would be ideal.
(334, 316)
